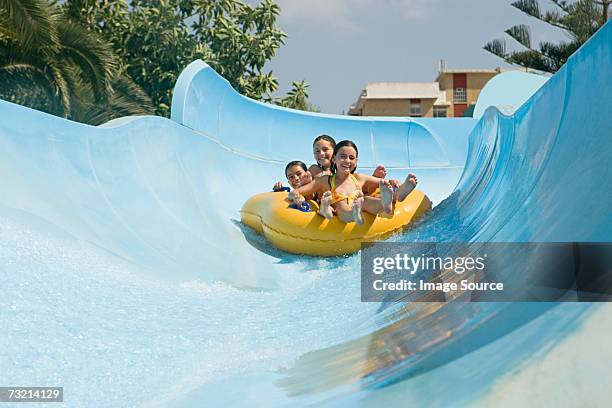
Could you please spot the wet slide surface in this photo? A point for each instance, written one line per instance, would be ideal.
(128, 280)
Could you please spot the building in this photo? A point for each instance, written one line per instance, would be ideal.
(462, 87)
(450, 95)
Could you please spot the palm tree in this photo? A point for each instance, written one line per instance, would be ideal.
(297, 97)
(579, 19)
(54, 65)
(126, 99)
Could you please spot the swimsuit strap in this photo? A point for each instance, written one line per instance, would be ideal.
(332, 181)
(336, 197)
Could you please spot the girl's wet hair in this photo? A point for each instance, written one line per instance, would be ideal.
(327, 138)
(295, 163)
(339, 146)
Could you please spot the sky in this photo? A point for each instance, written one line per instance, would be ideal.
(339, 46)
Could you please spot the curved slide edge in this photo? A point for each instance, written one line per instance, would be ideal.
(549, 158)
(436, 149)
(508, 91)
(136, 189)
(539, 175)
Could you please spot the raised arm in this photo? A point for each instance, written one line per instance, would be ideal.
(317, 185)
(368, 182)
(314, 170)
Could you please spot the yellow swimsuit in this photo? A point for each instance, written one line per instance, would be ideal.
(337, 197)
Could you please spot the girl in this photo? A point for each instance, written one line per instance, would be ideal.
(323, 149)
(296, 174)
(342, 191)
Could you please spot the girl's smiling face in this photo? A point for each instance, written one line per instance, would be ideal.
(346, 160)
(323, 152)
(295, 176)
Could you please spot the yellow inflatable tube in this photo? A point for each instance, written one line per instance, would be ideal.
(310, 234)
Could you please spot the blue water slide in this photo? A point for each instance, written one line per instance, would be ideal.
(122, 254)
(508, 91)
(539, 174)
(433, 148)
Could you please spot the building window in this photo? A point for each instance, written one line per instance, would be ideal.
(415, 108)
(459, 95)
(439, 111)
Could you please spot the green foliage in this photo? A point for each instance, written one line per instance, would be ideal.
(157, 39)
(94, 60)
(51, 64)
(297, 98)
(578, 19)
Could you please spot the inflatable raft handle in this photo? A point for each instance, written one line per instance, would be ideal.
(287, 189)
(305, 207)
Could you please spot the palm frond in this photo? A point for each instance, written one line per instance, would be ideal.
(27, 85)
(496, 47)
(129, 99)
(94, 58)
(521, 34)
(60, 89)
(31, 22)
(529, 7)
(531, 59)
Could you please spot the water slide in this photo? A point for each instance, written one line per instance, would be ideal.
(129, 280)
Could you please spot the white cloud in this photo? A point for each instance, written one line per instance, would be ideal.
(413, 9)
(341, 13)
(335, 12)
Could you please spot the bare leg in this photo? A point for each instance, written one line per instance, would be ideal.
(349, 214)
(344, 212)
(406, 188)
(372, 205)
(357, 204)
(386, 196)
(395, 184)
(325, 209)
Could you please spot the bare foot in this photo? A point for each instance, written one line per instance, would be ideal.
(357, 204)
(380, 171)
(325, 210)
(386, 196)
(395, 185)
(406, 188)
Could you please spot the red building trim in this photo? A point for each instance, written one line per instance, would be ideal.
(460, 81)
(459, 109)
